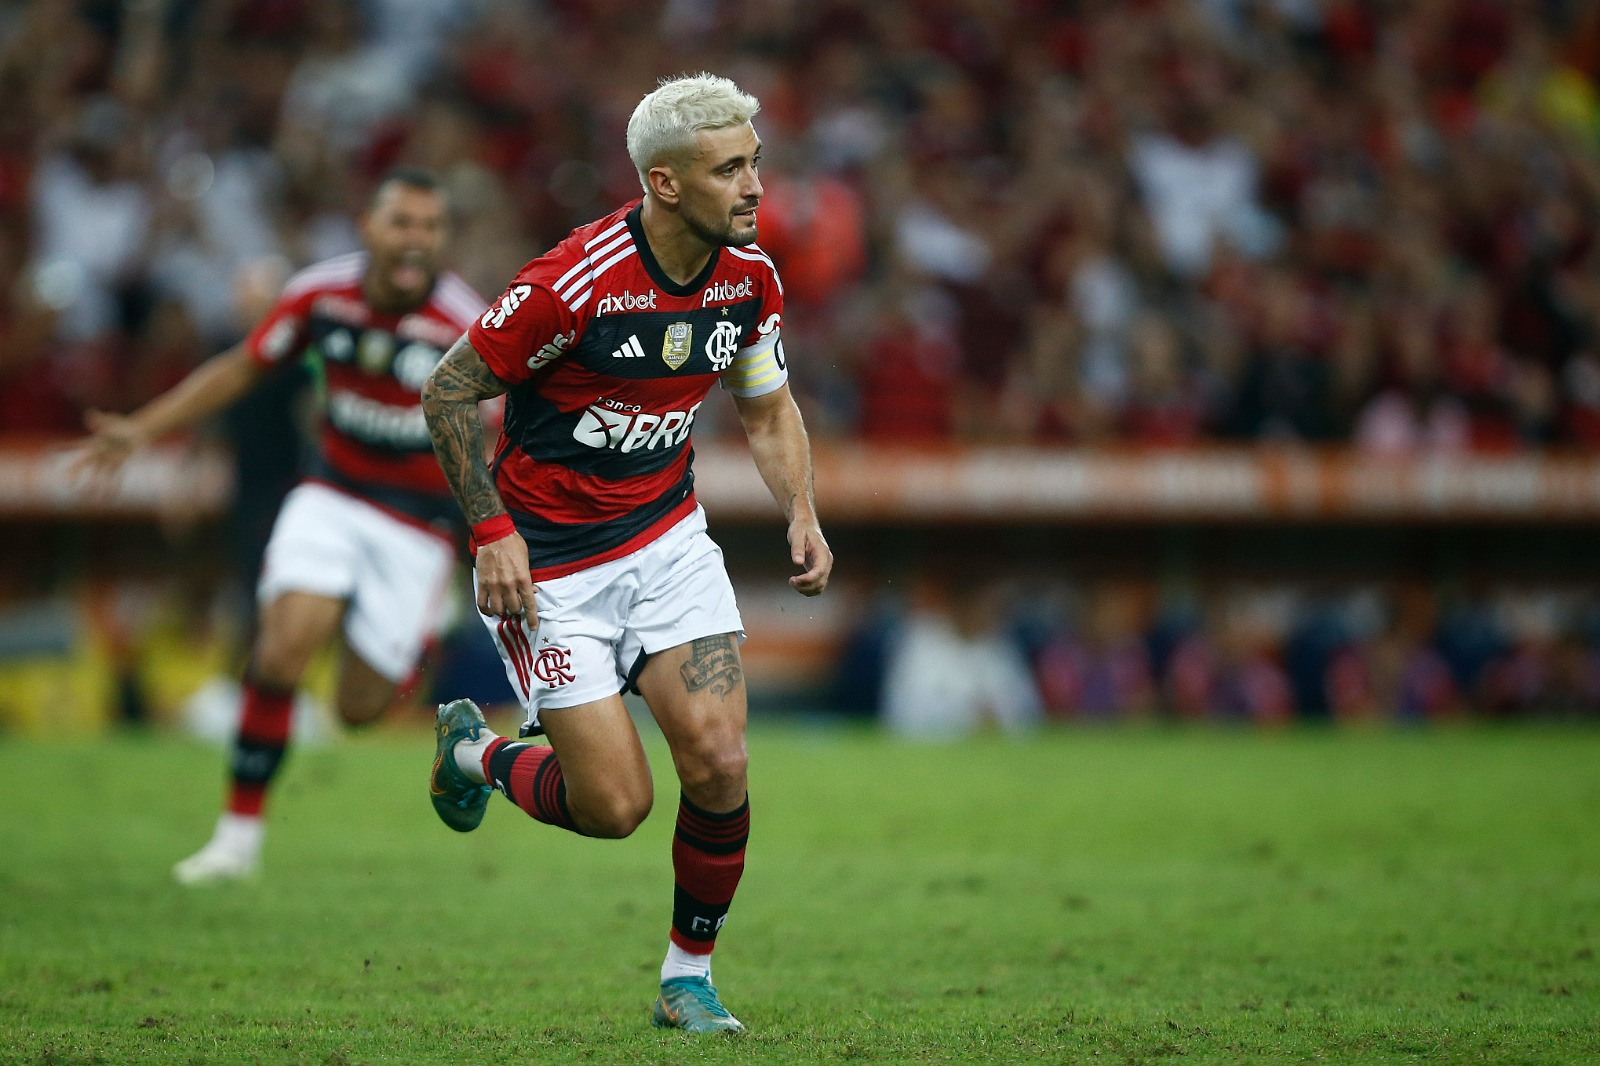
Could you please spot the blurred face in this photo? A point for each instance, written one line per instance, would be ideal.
(718, 189)
(404, 233)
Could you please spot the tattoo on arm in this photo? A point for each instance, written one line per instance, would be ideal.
(713, 664)
(450, 402)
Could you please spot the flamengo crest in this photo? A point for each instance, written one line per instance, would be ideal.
(722, 344)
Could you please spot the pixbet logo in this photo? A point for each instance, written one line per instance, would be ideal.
(496, 316)
(722, 292)
(626, 302)
(625, 428)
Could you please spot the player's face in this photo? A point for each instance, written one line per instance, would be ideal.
(404, 233)
(720, 189)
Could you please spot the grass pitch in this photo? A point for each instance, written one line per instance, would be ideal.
(1128, 897)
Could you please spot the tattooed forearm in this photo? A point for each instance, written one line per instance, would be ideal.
(450, 402)
(713, 664)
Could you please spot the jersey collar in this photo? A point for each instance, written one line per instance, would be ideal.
(653, 268)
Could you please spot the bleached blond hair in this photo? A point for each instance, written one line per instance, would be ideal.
(664, 125)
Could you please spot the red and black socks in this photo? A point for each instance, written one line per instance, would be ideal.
(707, 862)
(530, 776)
(263, 736)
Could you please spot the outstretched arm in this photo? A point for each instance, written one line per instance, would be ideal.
(209, 388)
(450, 399)
(782, 452)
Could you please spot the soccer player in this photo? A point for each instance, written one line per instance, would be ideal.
(366, 542)
(594, 570)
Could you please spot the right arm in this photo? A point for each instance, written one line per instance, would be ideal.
(209, 388)
(450, 400)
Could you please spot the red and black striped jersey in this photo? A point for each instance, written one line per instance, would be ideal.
(374, 440)
(608, 361)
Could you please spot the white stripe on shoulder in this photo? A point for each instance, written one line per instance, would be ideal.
(625, 242)
(590, 246)
(340, 270)
(588, 282)
(598, 238)
(753, 254)
(457, 299)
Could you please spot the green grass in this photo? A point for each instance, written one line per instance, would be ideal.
(1123, 897)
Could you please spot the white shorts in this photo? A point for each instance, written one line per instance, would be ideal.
(393, 573)
(597, 627)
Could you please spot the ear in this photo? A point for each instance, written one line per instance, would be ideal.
(664, 184)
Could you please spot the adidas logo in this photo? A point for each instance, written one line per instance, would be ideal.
(630, 349)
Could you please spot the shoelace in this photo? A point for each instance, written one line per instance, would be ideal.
(705, 994)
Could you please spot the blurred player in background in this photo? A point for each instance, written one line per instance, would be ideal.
(605, 348)
(366, 542)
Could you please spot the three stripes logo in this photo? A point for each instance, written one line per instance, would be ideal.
(631, 349)
(514, 639)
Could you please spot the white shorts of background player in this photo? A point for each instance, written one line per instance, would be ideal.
(395, 574)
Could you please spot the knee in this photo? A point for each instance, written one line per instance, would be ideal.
(278, 659)
(714, 765)
(615, 815)
(358, 709)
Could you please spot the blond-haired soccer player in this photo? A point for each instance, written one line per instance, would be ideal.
(594, 570)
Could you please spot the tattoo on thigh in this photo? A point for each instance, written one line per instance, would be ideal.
(713, 664)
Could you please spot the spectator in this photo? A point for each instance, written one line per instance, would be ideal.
(953, 671)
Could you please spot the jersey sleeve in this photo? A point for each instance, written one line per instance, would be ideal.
(759, 367)
(524, 330)
(281, 333)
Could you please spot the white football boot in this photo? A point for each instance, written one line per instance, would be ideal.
(232, 854)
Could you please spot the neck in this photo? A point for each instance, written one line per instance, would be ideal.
(386, 301)
(679, 251)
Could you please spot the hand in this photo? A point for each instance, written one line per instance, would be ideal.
(112, 439)
(505, 588)
(809, 551)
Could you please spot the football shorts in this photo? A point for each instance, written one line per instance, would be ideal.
(597, 627)
(393, 573)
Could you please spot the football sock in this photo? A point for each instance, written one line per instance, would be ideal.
(707, 861)
(530, 776)
(470, 753)
(239, 833)
(680, 963)
(258, 749)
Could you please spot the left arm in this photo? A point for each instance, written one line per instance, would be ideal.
(782, 452)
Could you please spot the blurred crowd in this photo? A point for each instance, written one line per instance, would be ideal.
(1153, 223)
(941, 663)
(1148, 221)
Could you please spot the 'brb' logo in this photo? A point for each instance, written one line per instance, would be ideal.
(553, 666)
(627, 302)
(496, 316)
(722, 292)
(625, 427)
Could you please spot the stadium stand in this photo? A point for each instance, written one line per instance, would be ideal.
(1174, 267)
